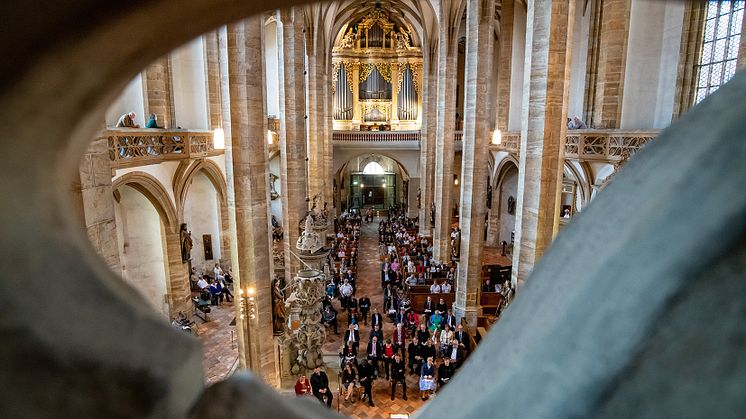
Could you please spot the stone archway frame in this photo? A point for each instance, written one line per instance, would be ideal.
(367, 158)
(581, 178)
(182, 181)
(176, 270)
(506, 164)
(155, 192)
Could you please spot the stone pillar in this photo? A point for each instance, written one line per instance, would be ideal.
(159, 97)
(179, 292)
(248, 177)
(292, 130)
(506, 62)
(549, 41)
(610, 19)
(315, 148)
(308, 292)
(98, 202)
(427, 144)
(474, 170)
(212, 55)
(446, 121)
(328, 129)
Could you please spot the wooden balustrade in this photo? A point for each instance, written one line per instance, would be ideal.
(130, 147)
(611, 146)
(372, 136)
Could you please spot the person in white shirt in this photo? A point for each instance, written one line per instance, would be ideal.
(445, 288)
(218, 272)
(435, 288)
(202, 283)
(345, 292)
(411, 280)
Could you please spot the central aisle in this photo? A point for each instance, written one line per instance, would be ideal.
(368, 283)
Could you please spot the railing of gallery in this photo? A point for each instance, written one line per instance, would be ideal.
(509, 141)
(371, 136)
(612, 146)
(134, 146)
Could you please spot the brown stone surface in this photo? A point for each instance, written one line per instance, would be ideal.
(293, 150)
(249, 175)
(474, 169)
(543, 136)
(158, 92)
(612, 27)
(219, 341)
(446, 126)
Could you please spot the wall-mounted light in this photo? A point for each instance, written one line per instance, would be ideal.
(270, 137)
(247, 303)
(455, 180)
(497, 137)
(218, 139)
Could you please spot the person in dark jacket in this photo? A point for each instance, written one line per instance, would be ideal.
(398, 370)
(320, 386)
(445, 371)
(364, 304)
(366, 375)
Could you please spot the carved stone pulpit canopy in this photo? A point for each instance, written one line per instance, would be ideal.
(309, 241)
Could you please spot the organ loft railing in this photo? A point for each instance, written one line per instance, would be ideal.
(130, 147)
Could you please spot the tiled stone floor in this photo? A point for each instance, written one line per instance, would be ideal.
(369, 283)
(220, 345)
(219, 342)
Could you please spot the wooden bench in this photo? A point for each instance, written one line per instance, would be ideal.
(417, 300)
(201, 306)
(496, 274)
(490, 299)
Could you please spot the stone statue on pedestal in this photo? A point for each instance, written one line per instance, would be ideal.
(185, 236)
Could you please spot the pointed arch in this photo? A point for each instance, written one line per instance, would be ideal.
(156, 193)
(185, 174)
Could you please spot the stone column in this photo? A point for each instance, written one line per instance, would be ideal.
(474, 170)
(247, 157)
(328, 131)
(427, 144)
(158, 93)
(292, 130)
(506, 61)
(606, 73)
(98, 202)
(549, 41)
(446, 121)
(212, 55)
(315, 148)
(179, 291)
(308, 292)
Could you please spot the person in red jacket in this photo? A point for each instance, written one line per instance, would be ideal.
(302, 386)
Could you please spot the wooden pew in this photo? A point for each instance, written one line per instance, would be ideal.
(490, 299)
(417, 300)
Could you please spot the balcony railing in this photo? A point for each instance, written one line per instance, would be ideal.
(611, 146)
(372, 136)
(136, 147)
(510, 142)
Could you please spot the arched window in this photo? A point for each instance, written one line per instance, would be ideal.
(722, 36)
(373, 168)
